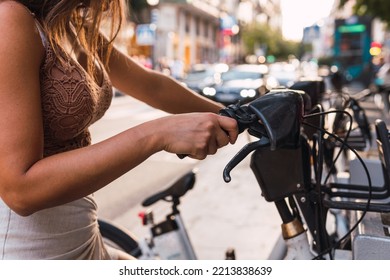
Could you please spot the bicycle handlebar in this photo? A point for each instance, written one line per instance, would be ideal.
(274, 118)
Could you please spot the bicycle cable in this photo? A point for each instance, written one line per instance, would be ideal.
(320, 255)
(319, 170)
(323, 241)
(345, 138)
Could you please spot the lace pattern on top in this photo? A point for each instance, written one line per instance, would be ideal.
(71, 102)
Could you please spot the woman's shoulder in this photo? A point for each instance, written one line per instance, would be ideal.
(14, 16)
(14, 5)
(18, 29)
(14, 10)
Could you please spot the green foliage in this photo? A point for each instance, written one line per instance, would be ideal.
(271, 41)
(376, 8)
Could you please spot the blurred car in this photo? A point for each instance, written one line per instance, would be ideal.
(204, 75)
(286, 74)
(242, 83)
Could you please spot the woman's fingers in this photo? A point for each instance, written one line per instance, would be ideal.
(201, 134)
(229, 126)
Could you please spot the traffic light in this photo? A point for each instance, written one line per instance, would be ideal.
(375, 48)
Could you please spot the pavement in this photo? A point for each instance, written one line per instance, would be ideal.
(218, 215)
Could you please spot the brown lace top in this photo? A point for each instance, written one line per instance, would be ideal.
(71, 102)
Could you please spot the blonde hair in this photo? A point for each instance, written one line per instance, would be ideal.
(81, 19)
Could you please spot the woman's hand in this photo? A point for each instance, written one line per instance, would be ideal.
(197, 134)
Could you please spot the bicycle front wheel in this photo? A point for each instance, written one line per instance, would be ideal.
(119, 238)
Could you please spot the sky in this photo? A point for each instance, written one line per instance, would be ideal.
(298, 14)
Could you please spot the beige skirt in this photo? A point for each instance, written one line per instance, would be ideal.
(66, 232)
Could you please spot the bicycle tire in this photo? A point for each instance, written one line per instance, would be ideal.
(119, 238)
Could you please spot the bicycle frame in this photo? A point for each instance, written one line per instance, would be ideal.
(168, 241)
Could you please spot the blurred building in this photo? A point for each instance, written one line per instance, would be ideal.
(378, 27)
(182, 31)
(188, 31)
(321, 33)
(193, 31)
(348, 41)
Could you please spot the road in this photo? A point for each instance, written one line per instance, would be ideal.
(217, 215)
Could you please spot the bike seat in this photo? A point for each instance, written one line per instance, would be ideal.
(176, 190)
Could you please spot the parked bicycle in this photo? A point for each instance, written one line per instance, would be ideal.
(340, 105)
(291, 142)
(168, 239)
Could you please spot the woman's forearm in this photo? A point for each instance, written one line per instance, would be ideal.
(155, 88)
(68, 176)
(64, 177)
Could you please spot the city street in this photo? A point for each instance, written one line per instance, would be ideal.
(217, 215)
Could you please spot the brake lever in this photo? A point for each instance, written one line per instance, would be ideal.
(243, 153)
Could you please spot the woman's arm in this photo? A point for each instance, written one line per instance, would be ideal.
(29, 182)
(154, 88)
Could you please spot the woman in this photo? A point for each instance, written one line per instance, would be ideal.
(56, 74)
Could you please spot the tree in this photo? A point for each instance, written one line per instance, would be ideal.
(271, 41)
(376, 8)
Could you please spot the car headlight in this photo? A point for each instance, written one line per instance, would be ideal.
(209, 91)
(245, 93)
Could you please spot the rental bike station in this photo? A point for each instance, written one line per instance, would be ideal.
(321, 217)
